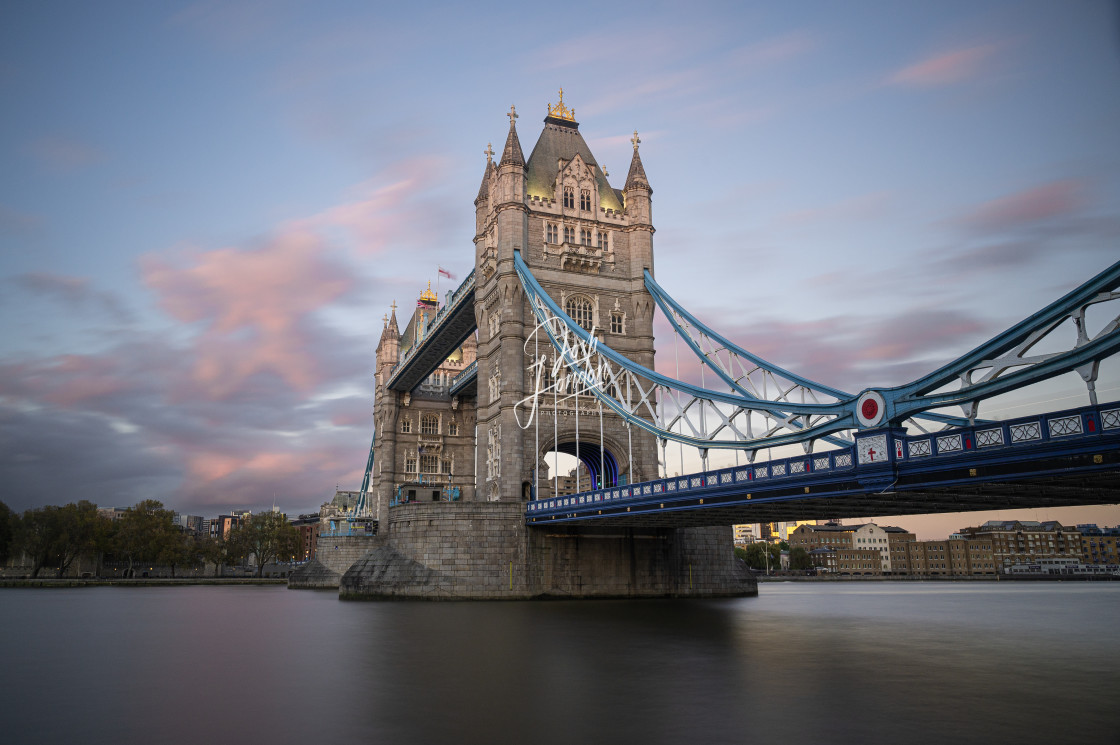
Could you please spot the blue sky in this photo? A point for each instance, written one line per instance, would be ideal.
(205, 208)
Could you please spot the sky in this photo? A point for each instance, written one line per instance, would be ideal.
(206, 208)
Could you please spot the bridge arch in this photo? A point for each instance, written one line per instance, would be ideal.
(607, 465)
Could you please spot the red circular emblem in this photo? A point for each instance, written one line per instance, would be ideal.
(870, 409)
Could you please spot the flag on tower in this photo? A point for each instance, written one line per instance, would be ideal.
(446, 273)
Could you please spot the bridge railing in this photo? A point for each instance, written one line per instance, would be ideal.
(1017, 439)
(453, 301)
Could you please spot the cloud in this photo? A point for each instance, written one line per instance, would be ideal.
(1028, 206)
(16, 223)
(946, 68)
(255, 308)
(75, 293)
(65, 154)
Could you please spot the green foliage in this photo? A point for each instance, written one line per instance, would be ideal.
(267, 536)
(799, 558)
(763, 556)
(146, 532)
(9, 525)
(55, 536)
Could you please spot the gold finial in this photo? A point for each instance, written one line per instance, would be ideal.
(512, 114)
(605, 174)
(489, 152)
(560, 111)
(635, 140)
(428, 295)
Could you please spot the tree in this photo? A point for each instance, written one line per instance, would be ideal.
(799, 558)
(268, 536)
(763, 556)
(38, 536)
(9, 525)
(144, 532)
(75, 532)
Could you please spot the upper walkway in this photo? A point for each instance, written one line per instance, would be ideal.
(1063, 458)
(442, 336)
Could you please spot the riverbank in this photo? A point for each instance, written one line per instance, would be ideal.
(142, 582)
(925, 578)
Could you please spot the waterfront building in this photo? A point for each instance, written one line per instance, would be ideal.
(898, 542)
(747, 534)
(308, 527)
(1016, 542)
(1099, 545)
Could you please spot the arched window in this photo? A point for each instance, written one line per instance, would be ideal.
(579, 310)
(585, 236)
(584, 200)
(550, 233)
(569, 197)
(429, 424)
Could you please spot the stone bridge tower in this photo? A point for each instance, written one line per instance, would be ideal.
(588, 245)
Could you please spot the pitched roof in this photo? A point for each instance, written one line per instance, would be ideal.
(560, 140)
(512, 152)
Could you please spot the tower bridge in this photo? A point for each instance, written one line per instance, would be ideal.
(547, 347)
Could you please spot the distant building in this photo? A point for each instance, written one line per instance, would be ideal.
(747, 534)
(189, 523)
(1026, 542)
(308, 527)
(870, 549)
(112, 513)
(1099, 545)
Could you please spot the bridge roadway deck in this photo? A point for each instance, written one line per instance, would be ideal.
(1058, 459)
(442, 336)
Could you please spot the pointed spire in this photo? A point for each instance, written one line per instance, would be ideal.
(484, 189)
(637, 175)
(511, 155)
(393, 321)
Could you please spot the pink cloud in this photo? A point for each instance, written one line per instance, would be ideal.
(1038, 203)
(254, 306)
(946, 68)
(65, 154)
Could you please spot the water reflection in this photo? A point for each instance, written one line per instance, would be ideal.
(823, 664)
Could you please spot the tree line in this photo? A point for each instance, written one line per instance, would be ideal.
(768, 556)
(53, 537)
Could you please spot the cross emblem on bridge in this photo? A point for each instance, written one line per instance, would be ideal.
(871, 453)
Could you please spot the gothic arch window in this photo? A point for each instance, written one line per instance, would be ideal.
(602, 238)
(585, 200)
(406, 426)
(429, 424)
(551, 232)
(579, 309)
(585, 236)
(569, 234)
(569, 197)
(453, 428)
(618, 325)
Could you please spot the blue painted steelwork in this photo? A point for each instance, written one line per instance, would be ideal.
(808, 421)
(361, 507)
(465, 379)
(1067, 443)
(439, 338)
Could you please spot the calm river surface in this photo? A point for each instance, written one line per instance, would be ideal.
(802, 663)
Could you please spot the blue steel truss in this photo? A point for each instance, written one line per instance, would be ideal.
(792, 409)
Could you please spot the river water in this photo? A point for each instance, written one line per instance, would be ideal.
(802, 663)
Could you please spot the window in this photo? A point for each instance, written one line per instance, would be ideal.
(550, 232)
(584, 200)
(602, 238)
(447, 466)
(579, 309)
(429, 424)
(452, 428)
(569, 235)
(406, 426)
(410, 465)
(569, 196)
(616, 322)
(429, 464)
(585, 237)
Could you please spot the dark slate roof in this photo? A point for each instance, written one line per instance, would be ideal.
(561, 140)
(637, 174)
(512, 152)
(484, 189)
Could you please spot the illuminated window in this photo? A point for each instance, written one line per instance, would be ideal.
(584, 199)
(429, 424)
(569, 235)
(602, 237)
(406, 425)
(569, 196)
(616, 323)
(585, 237)
(579, 310)
(550, 233)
